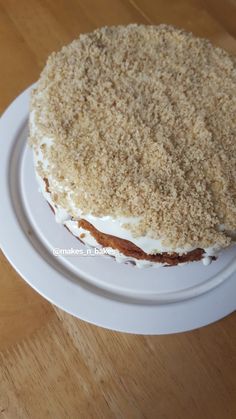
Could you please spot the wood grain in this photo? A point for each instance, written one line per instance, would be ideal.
(53, 365)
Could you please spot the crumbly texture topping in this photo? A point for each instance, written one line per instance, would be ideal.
(144, 124)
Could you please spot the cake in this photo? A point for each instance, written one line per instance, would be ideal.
(133, 132)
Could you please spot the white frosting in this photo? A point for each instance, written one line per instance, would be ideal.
(76, 230)
(207, 260)
(107, 224)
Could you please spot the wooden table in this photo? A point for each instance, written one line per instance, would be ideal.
(53, 365)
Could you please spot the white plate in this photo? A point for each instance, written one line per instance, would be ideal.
(97, 289)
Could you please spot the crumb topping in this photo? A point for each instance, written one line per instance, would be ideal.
(143, 120)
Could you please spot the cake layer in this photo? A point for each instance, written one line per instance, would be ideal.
(131, 250)
(125, 250)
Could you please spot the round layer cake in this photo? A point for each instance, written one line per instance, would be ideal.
(133, 130)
